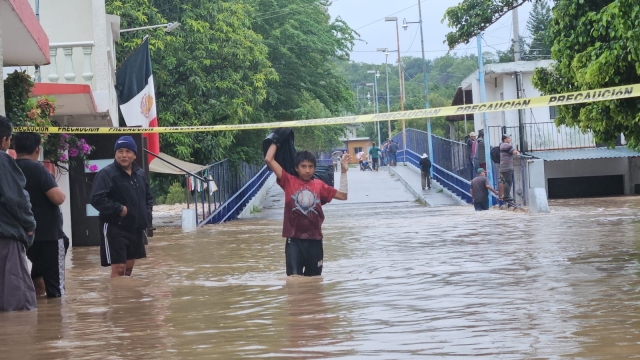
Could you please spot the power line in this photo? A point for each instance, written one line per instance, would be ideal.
(397, 12)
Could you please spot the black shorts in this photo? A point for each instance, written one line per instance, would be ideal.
(47, 259)
(118, 245)
(303, 257)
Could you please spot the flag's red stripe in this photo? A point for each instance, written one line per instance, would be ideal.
(153, 140)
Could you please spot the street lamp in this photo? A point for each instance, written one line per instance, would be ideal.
(404, 134)
(386, 69)
(376, 75)
(169, 27)
(405, 25)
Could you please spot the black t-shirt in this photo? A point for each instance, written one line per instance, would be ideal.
(47, 214)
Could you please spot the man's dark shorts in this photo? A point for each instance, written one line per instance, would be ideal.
(303, 257)
(118, 245)
(47, 258)
(483, 205)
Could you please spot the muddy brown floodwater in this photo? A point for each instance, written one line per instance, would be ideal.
(400, 281)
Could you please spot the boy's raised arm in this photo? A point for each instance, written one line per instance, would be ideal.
(271, 162)
(342, 192)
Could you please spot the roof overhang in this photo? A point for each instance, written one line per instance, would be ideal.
(75, 104)
(585, 154)
(24, 42)
(71, 99)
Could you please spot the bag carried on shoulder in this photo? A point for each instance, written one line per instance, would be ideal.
(495, 153)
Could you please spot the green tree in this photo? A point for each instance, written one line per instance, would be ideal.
(538, 26)
(303, 40)
(213, 70)
(596, 45)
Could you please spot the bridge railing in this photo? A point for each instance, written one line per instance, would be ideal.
(234, 184)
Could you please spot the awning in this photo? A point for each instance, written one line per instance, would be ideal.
(584, 154)
(159, 166)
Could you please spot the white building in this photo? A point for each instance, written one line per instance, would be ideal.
(23, 41)
(80, 77)
(575, 166)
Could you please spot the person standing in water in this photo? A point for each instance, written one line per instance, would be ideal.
(303, 215)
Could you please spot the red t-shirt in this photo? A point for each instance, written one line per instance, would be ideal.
(303, 214)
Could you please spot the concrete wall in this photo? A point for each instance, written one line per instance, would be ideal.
(594, 167)
(259, 198)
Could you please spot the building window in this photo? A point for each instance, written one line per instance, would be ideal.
(356, 150)
(552, 112)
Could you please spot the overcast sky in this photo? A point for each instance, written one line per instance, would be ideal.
(367, 18)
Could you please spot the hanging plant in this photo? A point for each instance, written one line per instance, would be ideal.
(24, 110)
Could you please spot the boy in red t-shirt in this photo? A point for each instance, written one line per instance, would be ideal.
(303, 214)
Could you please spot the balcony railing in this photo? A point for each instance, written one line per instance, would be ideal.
(544, 136)
(72, 53)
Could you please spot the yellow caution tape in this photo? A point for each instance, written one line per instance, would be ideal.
(578, 97)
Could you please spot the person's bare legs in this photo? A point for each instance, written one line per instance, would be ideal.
(118, 270)
(129, 268)
(38, 283)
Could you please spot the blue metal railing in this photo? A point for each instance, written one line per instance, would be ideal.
(229, 180)
(232, 208)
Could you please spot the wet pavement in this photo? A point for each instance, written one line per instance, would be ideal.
(400, 280)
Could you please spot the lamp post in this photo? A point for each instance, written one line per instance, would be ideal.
(169, 27)
(386, 69)
(424, 72)
(376, 75)
(401, 78)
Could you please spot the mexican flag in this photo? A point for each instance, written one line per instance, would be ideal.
(136, 95)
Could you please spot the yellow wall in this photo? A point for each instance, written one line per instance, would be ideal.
(364, 144)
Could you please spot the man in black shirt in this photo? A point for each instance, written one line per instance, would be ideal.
(50, 244)
(122, 195)
(425, 171)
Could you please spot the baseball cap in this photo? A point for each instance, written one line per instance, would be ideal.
(480, 170)
(505, 136)
(472, 134)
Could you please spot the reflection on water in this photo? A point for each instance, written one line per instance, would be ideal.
(400, 281)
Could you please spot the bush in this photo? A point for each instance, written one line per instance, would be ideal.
(176, 195)
(158, 200)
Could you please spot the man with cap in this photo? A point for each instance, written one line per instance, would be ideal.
(480, 191)
(471, 143)
(122, 195)
(507, 151)
(425, 171)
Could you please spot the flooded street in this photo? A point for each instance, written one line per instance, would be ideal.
(400, 281)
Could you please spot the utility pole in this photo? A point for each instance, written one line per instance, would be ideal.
(485, 122)
(401, 79)
(516, 35)
(518, 76)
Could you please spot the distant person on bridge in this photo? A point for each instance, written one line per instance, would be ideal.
(17, 227)
(374, 155)
(480, 160)
(303, 215)
(471, 143)
(507, 151)
(122, 195)
(425, 171)
(480, 191)
(393, 153)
